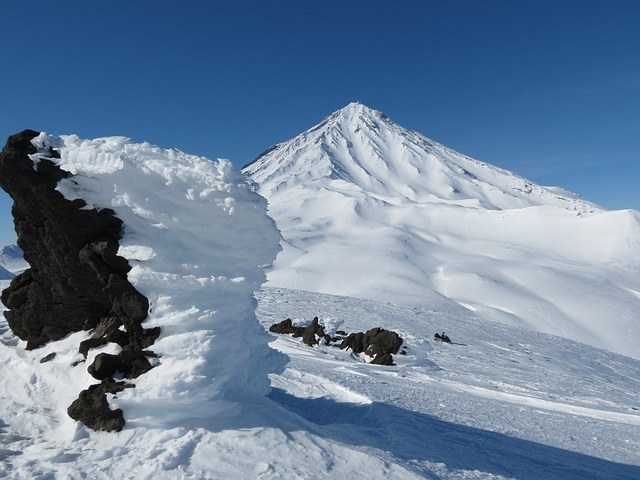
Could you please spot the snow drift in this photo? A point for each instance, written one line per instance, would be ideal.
(372, 210)
(195, 236)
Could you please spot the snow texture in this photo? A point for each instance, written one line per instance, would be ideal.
(500, 402)
(195, 235)
(372, 210)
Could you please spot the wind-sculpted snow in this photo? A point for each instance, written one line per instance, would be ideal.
(372, 210)
(195, 236)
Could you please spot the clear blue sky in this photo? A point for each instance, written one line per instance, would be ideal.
(547, 89)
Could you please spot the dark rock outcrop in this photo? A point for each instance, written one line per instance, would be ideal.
(309, 334)
(92, 408)
(76, 281)
(378, 343)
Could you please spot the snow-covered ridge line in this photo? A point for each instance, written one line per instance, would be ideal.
(194, 235)
(365, 147)
(372, 210)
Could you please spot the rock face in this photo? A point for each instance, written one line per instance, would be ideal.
(76, 280)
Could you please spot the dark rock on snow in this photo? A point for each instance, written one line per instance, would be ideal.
(378, 343)
(309, 334)
(92, 408)
(48, 358)
(76, 280)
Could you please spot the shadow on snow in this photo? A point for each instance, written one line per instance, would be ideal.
(414, 437)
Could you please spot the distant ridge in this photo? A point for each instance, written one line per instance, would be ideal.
(366, 148)
(372, 210)
(5, 274)
(11, 259)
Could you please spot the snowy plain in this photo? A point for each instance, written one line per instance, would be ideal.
(228, 400)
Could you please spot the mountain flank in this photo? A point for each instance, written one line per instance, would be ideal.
(372, 210)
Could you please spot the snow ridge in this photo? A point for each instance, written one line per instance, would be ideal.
(372, 210)
(195, 235)
(366, 149)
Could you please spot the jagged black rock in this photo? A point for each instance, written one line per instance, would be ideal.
(75, 280)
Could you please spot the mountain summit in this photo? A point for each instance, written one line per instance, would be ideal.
(370, 152)
(372, 210)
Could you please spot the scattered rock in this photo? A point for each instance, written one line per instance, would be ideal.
(48, 358)
(285, 327)
(378, 343)
(309, 334)
(92, 407)
(385, 359)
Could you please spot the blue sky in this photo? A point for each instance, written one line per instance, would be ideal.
(547, 89)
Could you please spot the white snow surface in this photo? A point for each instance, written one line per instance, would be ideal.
(501, 402)
(195, 235)
(369, 209)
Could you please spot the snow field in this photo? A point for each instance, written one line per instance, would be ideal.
(495, 392)
(372, 210)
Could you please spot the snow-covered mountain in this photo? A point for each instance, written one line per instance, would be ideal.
(361, 149)
(11, 259)
(372, 210)
(501, 402)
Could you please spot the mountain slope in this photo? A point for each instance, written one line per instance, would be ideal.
(372, 210)
(11, 259)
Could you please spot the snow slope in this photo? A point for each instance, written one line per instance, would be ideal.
(371, 210)
(11, 259)
(502, 402)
